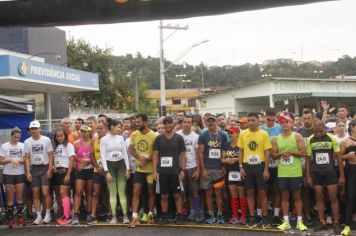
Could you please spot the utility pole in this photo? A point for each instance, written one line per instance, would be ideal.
(202, 78)
(137, 106)
(163, 107)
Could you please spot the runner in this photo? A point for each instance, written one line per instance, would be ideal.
(320, 171)
(255, 145)
(39, 166)
(67, 127)
(235, 183)
(169, 161)
(288, 148)
(84, 173)
(12, 157)
(192, 172)
(348, 150)
(211, 150)
(64, 156)
(116, 165)
(141, 148)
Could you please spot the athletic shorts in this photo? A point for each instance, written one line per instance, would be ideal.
(324, 177)
(39, 176)
(143, 178)
(85, 174)
(98, 178)
(254, 176)
(191, 185)
(169, 183)
(13, 179)
(293, 184)
(58, 179)
(215, 179)
(273, 177)
(229, 181)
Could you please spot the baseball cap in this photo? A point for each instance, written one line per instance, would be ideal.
(211, 117)
(168, 120)
(85, 128)
(233, 129)
(34, 124)
(283, 118)
(243, 120)
(330, 125)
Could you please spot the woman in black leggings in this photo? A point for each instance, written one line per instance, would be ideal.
(348, 152)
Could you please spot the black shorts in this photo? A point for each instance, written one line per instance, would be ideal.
(98, 178)
(39, 176)
(229, 180)
(143, 178)
(57, 179)
(85, 174)
(169, 183)
(292, 184)
(324, 177)
(254, 177)
(14, 179)
(191, 185)
(273, 177)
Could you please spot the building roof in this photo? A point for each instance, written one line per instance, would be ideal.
(174, 93)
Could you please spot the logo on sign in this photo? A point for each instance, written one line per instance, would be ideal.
(24, 68)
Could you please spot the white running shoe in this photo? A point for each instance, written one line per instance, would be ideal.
(113, 220)
(38, 220)
(47, 219)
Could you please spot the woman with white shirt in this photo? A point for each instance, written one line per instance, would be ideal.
(116, 163)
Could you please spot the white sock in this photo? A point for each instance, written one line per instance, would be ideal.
(259, 212)
(134, 215)
(286, 218)
(150, 213)
(276, 211)
(38, 213)
(299, 218)
(48, 212)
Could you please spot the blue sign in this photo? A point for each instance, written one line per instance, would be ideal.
(45, 73)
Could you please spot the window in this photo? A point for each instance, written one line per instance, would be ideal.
(176, 101)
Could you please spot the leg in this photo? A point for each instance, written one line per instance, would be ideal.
(58, 198)
(285, 203)
(234, 201)
(10, 191)
(208, 199)
(121, 186)
(264, 202)
(79, 187)
(164, 203)
(96, 193)
(65, 199)
(219, 200)
(36, 198)
(136, 197)
(251, 201)
(332, 192)
(297, 195)
(178, 202)
(89, 194)
(319, 193)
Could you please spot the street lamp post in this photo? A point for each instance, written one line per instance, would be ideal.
(58, 57)
(181, 76)
(266, 75)
(186, 81)
(318, 72)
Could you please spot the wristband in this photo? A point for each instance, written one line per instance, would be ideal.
(240, 166)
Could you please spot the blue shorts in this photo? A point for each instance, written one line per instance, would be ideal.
(293, 184)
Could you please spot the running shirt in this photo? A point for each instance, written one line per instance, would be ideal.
(143, 145)
(254, 144)
(113, 148)
(13, 152)
(232, 152)
(306, 133)
(291, 167)
(169, 153)
(191, 143)
(321, 150)
(97, 154)
(38, 150)
(131, 158)
(272, 132)
(214, 145)
(83, 154)
(62, 155)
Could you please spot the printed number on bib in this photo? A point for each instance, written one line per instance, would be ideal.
(60, 163)
(166, 161)
(234, 176)
(288, 161)
(116, 156)
(100, 163)
(273, 163)
(253, 159)
(322, 158)
(214, 153)
(37, 160)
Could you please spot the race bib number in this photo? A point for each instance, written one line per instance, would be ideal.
(57, 163)
(234, 176)
(288, 161)
(37, 160)
(116, 156)
(253, 159)
(322, 158)
(166, 161)
(189, 149)
(273, 163)
(214, 153)
(100, 163)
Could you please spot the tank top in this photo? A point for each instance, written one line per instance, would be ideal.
(349, 149)
(83, 153)
(292, 167)
(97, 154)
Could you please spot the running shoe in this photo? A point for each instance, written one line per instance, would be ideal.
(47, 219)
(59, 220)
(151, 220)
(21, 221)
(28, 217)
(210, 220)
(163, 220)
(38, 220)
(258, 220)
(113, 220)
(285, 226)
(198, 220)
(144, 218)
(126, 220)
(65, 221)
(252, 222)
(75, 220)
(300, 226)
(337, 229)
(202, 215)
(90, 219)
(134, 222)
(10, 222)
(276, 221)
(234, 220)
(220, 220)
(346, 231)
(320, 227)
(242, 220)
(179, 219)
(191, 215)
(329, 220)
(265, 222)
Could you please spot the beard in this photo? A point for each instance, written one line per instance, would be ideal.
(141, 128)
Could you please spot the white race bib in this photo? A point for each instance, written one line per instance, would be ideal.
(234, 176)
(37, 160)
(214, 153)
(100, 163)
(288, 161)
(59, 162)
(273, 163)
(166, 161)
(322, 158)
(253, 159)
(116, 156)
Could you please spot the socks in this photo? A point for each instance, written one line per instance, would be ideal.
(66, 206)
(286, 218)
(243, 206)
(259, 212)
(196, 206)
(134, 215)
(39, 216)
(234, 206)
(48, 212)
(276, 211)
(150, 213)
(9, 211)
(299, 218)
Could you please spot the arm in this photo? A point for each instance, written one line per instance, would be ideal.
(28, 166)
(155, 162)
(50, 164)
(274, 151)
(103, 154)
(183, 156)
(301, 146)
(124, 153)
(325, 107)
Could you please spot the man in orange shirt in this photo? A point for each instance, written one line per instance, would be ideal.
(67, 125)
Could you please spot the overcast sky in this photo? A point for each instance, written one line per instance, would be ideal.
(321, 31)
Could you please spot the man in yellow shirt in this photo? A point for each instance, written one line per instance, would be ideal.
(255, 145)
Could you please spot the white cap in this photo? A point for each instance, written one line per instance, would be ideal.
(331, 125)
(35, 124)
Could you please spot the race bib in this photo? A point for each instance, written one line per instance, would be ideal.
(214, 153)
(166, 161)
(234, 176)
(189, 149)
(288, 161)
(100, 163)
(116, 156)
(253, 159)
(37, 160)
(58, 162)
(322, 158)
(273, 163)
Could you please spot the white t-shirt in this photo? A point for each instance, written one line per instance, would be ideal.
(38, 150)
(191, 143)
(113, 148)
(62, 155)
(131, 158)
(13, 152)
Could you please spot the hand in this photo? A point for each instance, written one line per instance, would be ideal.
(351, 155)
(285, 155)
(324, 105)
(29, 177)
(341, 180)
(205, 174)
(310, 181)
(66, 179)
(127, 174)
(143, 161)
(181, 175)
(108, 177)
(49, 174)
(15, 163)
(265, 175)
(196, 175)
(242, 173)
(101, 171)
(82, 164)
(332, 109)
(156, 176)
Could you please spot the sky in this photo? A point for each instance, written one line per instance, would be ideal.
(320, 31)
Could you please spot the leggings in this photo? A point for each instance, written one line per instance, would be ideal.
(117, 185)
(350, 177)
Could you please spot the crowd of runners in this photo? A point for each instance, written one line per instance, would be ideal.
(270, 169)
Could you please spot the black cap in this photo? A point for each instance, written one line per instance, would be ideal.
(167, 119)
(212, 117)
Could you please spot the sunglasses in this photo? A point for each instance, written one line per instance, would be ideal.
(270, 120)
